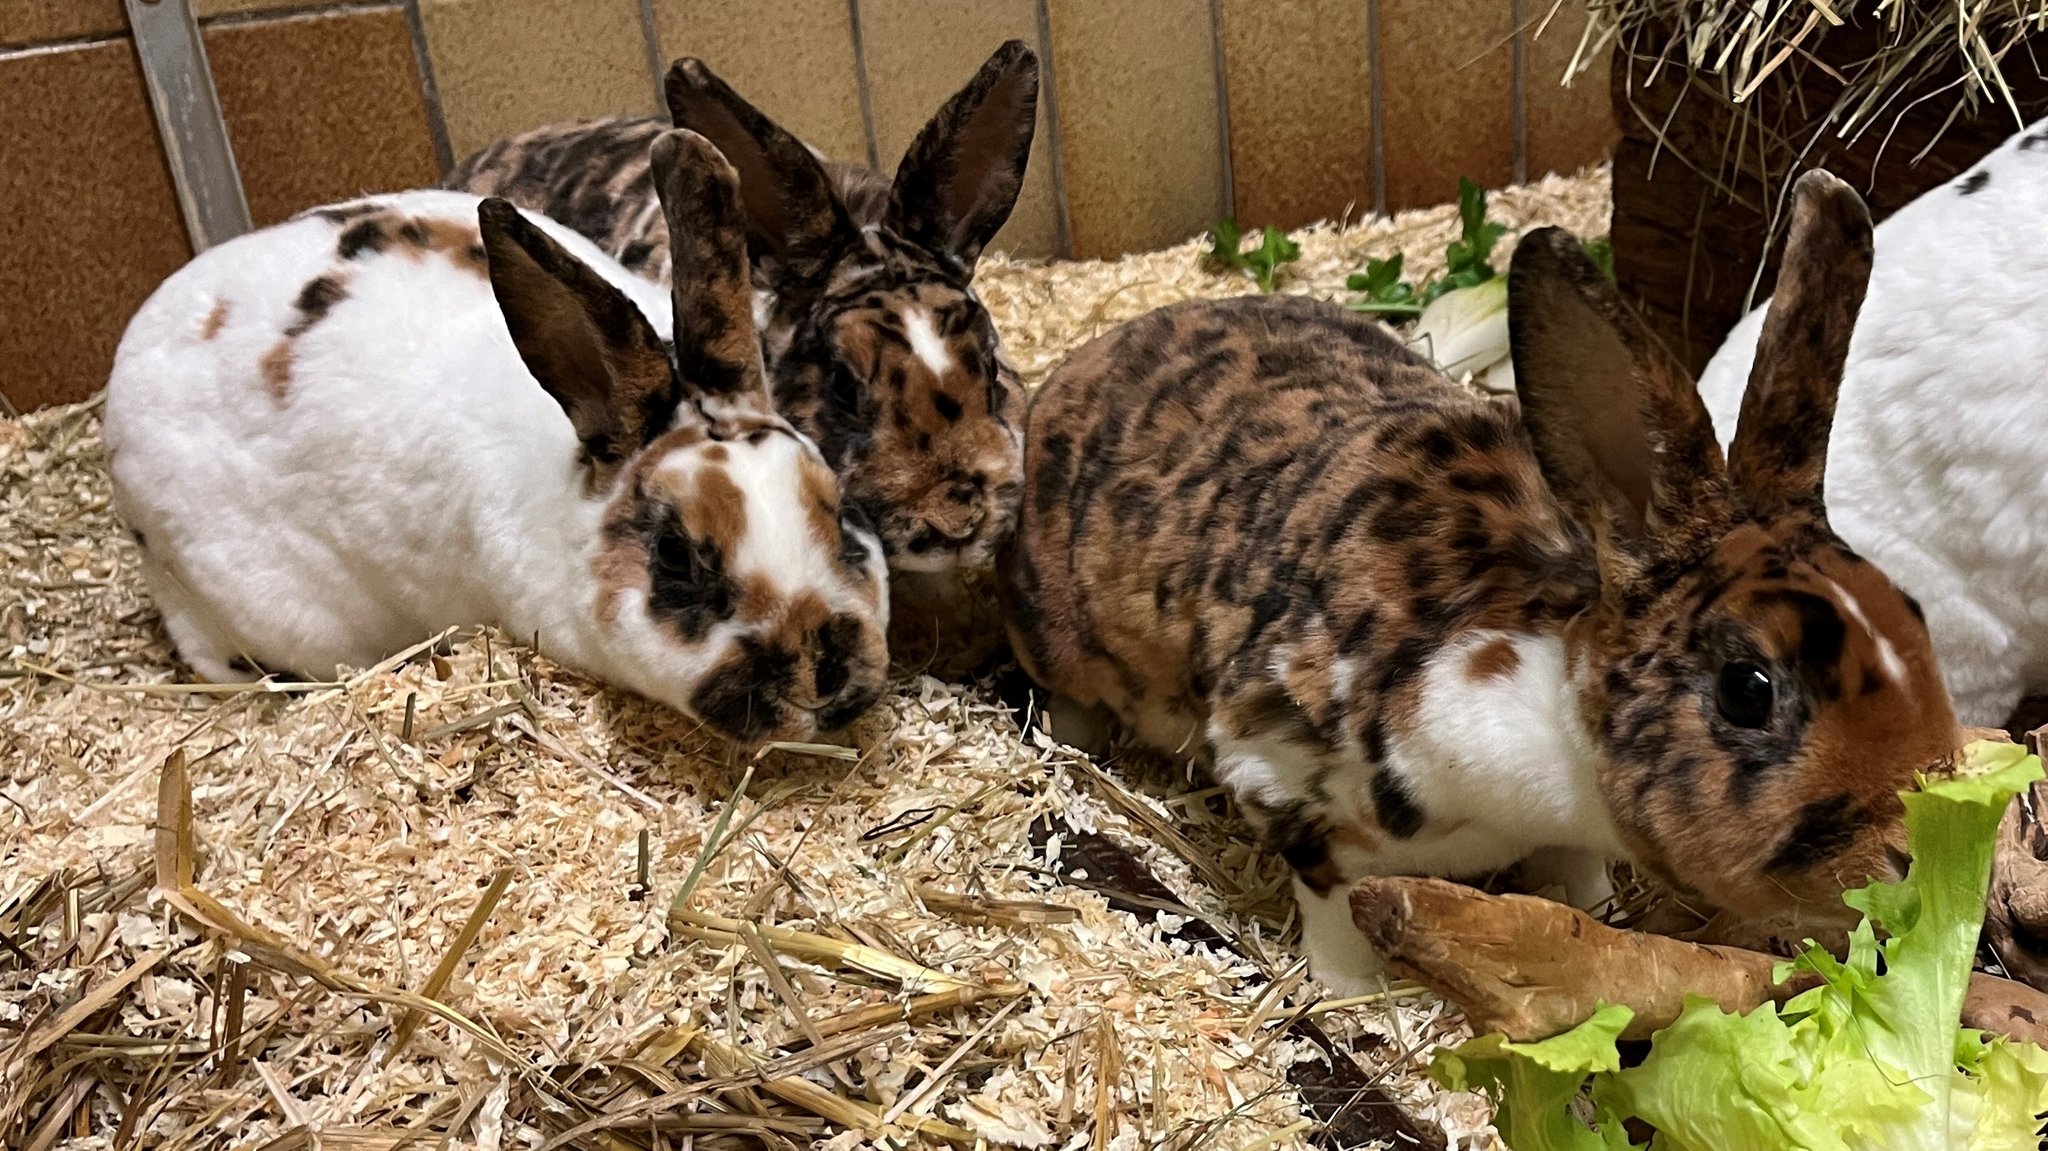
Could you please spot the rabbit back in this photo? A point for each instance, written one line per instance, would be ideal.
(328, 445)
(1935, 463)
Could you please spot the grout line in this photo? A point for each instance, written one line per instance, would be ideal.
(52, 47)
(1226, 188)
(651, 37)
(860, 74)
(1520, 100)
(430, 89)
(1379, 123)
(1048, 94)
(294, 12)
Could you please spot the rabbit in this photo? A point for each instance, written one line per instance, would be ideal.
(1940, 452)
(1416, 631)
(382, 418)
(877, 346)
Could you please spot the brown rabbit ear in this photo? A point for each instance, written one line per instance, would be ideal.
(587, 344)
(718, 353)
(960, 178)
(1618, 429)
(791, 207)
(1779, 455)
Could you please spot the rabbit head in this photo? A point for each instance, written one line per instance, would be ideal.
(1758, 694)
(730, 578)
(878, 347)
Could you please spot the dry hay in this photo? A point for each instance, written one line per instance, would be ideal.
(1739, 45)
(467, 898)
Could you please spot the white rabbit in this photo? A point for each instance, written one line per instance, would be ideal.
(338, 435)
(1938, 465)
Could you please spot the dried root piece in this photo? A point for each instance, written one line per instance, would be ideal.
(2016, 915)
(1532, 968)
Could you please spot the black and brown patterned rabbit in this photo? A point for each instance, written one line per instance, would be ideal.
(1415, 631)
(876, 345)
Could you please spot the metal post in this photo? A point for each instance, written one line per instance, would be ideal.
(188, 120)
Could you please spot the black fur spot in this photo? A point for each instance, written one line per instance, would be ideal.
(1392, 806)
(636, 253)
(689, 588)
(1974, 182)
(948, 407)
(320, 294)
(1825, 828)
(360, 237)
(838, 643)
(2027, 144)
(741, 696)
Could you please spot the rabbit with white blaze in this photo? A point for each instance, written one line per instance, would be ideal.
(1414, 631)
(341, 434)
(1937, 468)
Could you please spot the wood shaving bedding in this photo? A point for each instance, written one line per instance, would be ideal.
(470, 899)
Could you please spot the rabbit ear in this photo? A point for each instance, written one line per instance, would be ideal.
(1779, 455)
(587, 344)
(957, 184)
(791, 208)
(1618, 428)
(718, 353)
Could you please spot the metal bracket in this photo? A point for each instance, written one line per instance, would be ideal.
(188, 120)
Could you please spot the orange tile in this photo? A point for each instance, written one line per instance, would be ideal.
(1299, 80)
(321, 108)
(24, 22)
(503, 66)
(1447, 84)
(1139, 128)
(792, 59)
(1568, 127)
(918, 55)
(88, 217)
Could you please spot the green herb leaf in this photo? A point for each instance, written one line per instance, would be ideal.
(1274, 250)
(1601, 252)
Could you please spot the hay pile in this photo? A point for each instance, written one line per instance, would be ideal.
(1741, 44)
(467, 898)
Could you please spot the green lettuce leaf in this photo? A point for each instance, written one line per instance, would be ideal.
(1872, 1058)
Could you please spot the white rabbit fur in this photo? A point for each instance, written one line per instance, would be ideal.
(326, 498)
(1938, 463)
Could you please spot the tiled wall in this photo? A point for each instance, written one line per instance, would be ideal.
(1158, 117)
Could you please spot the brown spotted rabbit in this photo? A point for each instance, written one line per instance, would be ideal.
(876, 345)
(1415, 631)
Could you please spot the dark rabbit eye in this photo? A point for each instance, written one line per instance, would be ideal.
(1745, 695)
(676, 554)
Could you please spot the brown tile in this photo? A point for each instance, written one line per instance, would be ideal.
(793, 59)
(88, 218)
(1447, 81)
(42, 21)
(503, 66)
(918, 55)
(321, 108)
(1568, 127)
(1138, 121)
(1299, 79)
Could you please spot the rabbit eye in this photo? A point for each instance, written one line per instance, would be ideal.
(676, 553)
(1745, 695)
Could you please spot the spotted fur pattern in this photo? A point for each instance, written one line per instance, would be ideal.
(380, 419)
(1413, 630)
(876, 345)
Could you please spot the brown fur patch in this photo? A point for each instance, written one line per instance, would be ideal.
(715, 509)
(277, 370)
(757, 598)
(215, 320)
(1494, 660)
(821, 500)
(806, 614)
